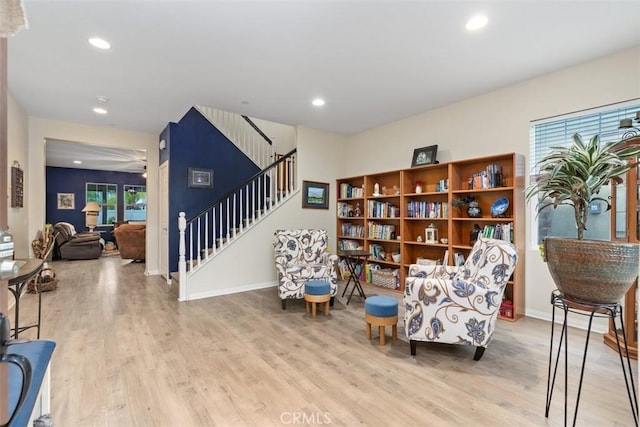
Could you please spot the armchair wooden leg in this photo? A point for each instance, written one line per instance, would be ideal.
(479, 353)
(284, 304)
(413, 345)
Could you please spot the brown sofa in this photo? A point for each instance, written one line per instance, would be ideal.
(131, 241)
(73, 245)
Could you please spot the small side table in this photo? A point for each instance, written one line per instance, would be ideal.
(27, 270)
(355, 260)
(612, 311)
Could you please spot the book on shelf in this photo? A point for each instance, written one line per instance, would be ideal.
(348, 245)
(381, 231)
(458, 259)
(445, 259)
(348, 191)
(417, 209)
(499, 231)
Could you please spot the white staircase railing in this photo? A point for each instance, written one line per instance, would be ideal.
(211, 231)
(236, 128)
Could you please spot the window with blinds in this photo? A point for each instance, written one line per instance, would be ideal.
(558, 132)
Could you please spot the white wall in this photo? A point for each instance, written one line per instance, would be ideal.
(17, 150)
(41, 129)
(498, 122)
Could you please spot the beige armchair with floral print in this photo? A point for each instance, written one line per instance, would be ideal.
(300, 256)
(459, 305)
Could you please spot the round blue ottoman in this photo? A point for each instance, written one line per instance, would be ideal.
(317, 291)
(381, 311)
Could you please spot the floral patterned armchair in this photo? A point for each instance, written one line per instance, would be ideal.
(301, 255)
(459, 305)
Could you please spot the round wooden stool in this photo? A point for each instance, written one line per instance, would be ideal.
(317, 291)
(381, 311)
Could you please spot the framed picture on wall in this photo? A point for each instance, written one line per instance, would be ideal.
(315, 195)
(66, 201)
(200, 178)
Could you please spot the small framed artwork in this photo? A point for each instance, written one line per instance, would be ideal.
(424, 156)
(66, 201)
(200, 178)
(315, 195)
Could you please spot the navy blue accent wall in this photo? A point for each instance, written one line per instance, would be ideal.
(195, 142)
(70, 180)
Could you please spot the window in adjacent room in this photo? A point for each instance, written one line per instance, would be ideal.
(106, 195)
(558, 132)
(135, 202)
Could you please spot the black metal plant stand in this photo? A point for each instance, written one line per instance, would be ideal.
(355, 260)
(612, 311)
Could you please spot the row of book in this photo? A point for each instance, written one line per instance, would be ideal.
(381, 231)
(377, 251)
(491, 177)
(352, 230)
(499, 231)
(427, 209)
(348, 191)
(348, 245)
(377, 209)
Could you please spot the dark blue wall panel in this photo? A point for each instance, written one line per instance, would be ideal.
(195, 142)
(69, 180)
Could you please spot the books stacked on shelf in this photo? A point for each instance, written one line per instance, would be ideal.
(381, 231)
(352, 230)
(377, 209)
(491, 177)
(348, 191)
(442, 185)
(499, 232)
(377, 252)
(344, 210)
(348, 245)
(417, 209)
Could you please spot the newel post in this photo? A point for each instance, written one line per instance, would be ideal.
(182, 264)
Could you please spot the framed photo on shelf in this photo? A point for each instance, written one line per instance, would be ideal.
(315, 195)
(66, 201)
(200, 178)
(425, 156)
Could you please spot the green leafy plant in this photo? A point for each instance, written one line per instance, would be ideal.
(574, 175)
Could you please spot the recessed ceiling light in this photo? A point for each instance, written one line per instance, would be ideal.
(99, 110)
(99, 43)
(77, 162)
(476, 22)
(318, 102)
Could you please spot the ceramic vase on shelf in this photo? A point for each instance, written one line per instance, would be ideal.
(418, 187)
(474, 210)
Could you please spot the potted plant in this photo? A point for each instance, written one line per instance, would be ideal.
(590, 270)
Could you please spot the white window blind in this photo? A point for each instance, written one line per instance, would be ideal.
(558, 132)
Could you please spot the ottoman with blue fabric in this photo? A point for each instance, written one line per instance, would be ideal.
(315, 292)
(381, 311)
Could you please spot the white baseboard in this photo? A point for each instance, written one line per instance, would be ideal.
(599, 325)
(227, 291)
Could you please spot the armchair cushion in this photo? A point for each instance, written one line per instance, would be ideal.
(459, 306)
(300, 256)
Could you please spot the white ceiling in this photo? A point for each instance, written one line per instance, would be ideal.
(373, 61)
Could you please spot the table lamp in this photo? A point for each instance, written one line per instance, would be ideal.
(91, 211)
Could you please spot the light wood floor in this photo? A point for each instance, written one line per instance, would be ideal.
(129, 354)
